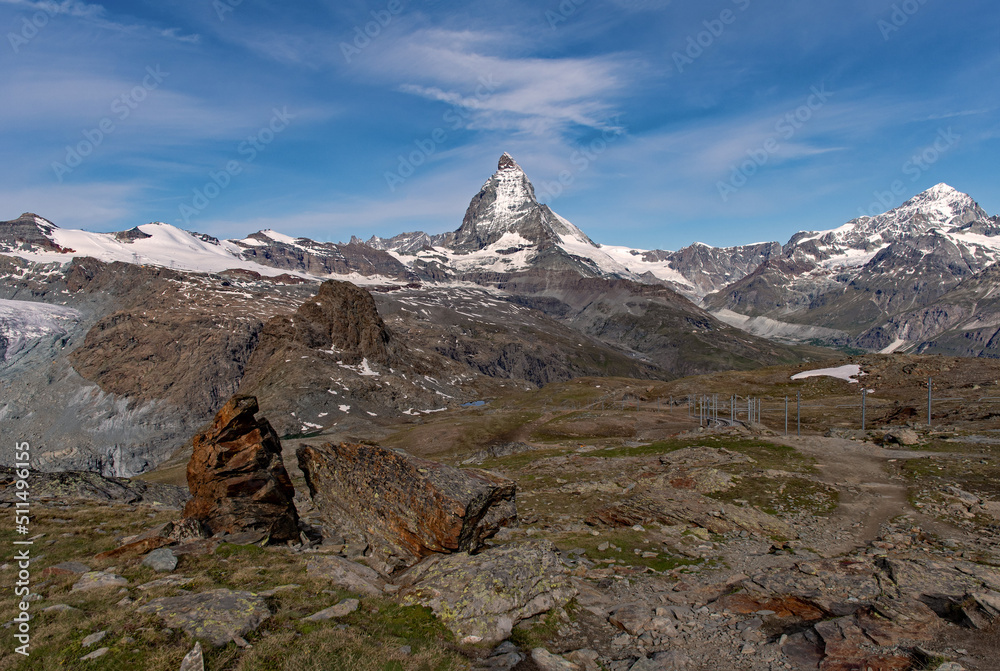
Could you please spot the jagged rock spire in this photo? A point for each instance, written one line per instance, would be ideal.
(507, 162)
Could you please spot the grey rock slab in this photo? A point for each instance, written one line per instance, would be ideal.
(346, 574)
(546, 661)
(483, 596)
(161, 561)
(632, 618)
(217, 616)
(72, 567)
(345, 607)
(98, 580)
(585, 658)
(194, 660)
(96, 654)
(60, 608)
(673, 660)
(94, 639)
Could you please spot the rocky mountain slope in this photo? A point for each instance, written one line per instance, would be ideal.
(854, 280)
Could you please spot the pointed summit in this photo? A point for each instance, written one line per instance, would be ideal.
(507, 162)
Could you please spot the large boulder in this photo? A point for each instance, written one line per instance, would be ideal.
(237, 478)
(482, 597)
(402, 507)
(217, 616)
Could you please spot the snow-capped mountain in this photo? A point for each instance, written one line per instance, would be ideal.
(859, 276)
(506, 230)
(833, 285)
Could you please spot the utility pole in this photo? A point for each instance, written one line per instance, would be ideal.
(864, 395)
(930, 394)
(798, 414)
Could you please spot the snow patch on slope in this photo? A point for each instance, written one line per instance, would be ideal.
(846, 373)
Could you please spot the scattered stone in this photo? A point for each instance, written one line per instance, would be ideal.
(217, 616)
(237, 478)
(60, 608)
(98, 580)
(345, 607)
(546, 661)
(187, 529)
(66, 568)
(244, 538)
(674, 660)
(194, 660)
(646, 664)
(585, 658)
(96, 654)
(277, 590)
(161, 561)
(93, 639)
(632, 618)
(135, 548)
(902, 436)
(403, 507)
(346, 574)
(486, 594)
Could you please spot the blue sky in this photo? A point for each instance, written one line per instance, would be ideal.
(649, 123)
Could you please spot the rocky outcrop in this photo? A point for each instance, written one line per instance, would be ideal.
(28, 232)
(863, 612)
(482, 597)
(341, 317)
(70, 485)
(322, 259)
(237, 478)
(404, 508)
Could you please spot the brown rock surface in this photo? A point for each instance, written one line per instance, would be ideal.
(403, 507)
(237, 478)
(340, 317)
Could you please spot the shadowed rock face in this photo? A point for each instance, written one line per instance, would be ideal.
(402, 507)
(340, 317)
(237, 478)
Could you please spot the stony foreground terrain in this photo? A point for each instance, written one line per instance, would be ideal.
(642, 542)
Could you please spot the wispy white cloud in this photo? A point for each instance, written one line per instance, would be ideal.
(505, 92)
(99, 16)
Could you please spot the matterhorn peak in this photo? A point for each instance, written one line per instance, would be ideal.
(507, 162)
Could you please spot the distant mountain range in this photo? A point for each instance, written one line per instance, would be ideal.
(875, 283)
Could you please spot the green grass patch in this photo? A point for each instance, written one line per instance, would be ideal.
(622, 546)
(776, 496)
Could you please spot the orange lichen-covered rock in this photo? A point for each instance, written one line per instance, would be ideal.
(402, 507)
(236, 476)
